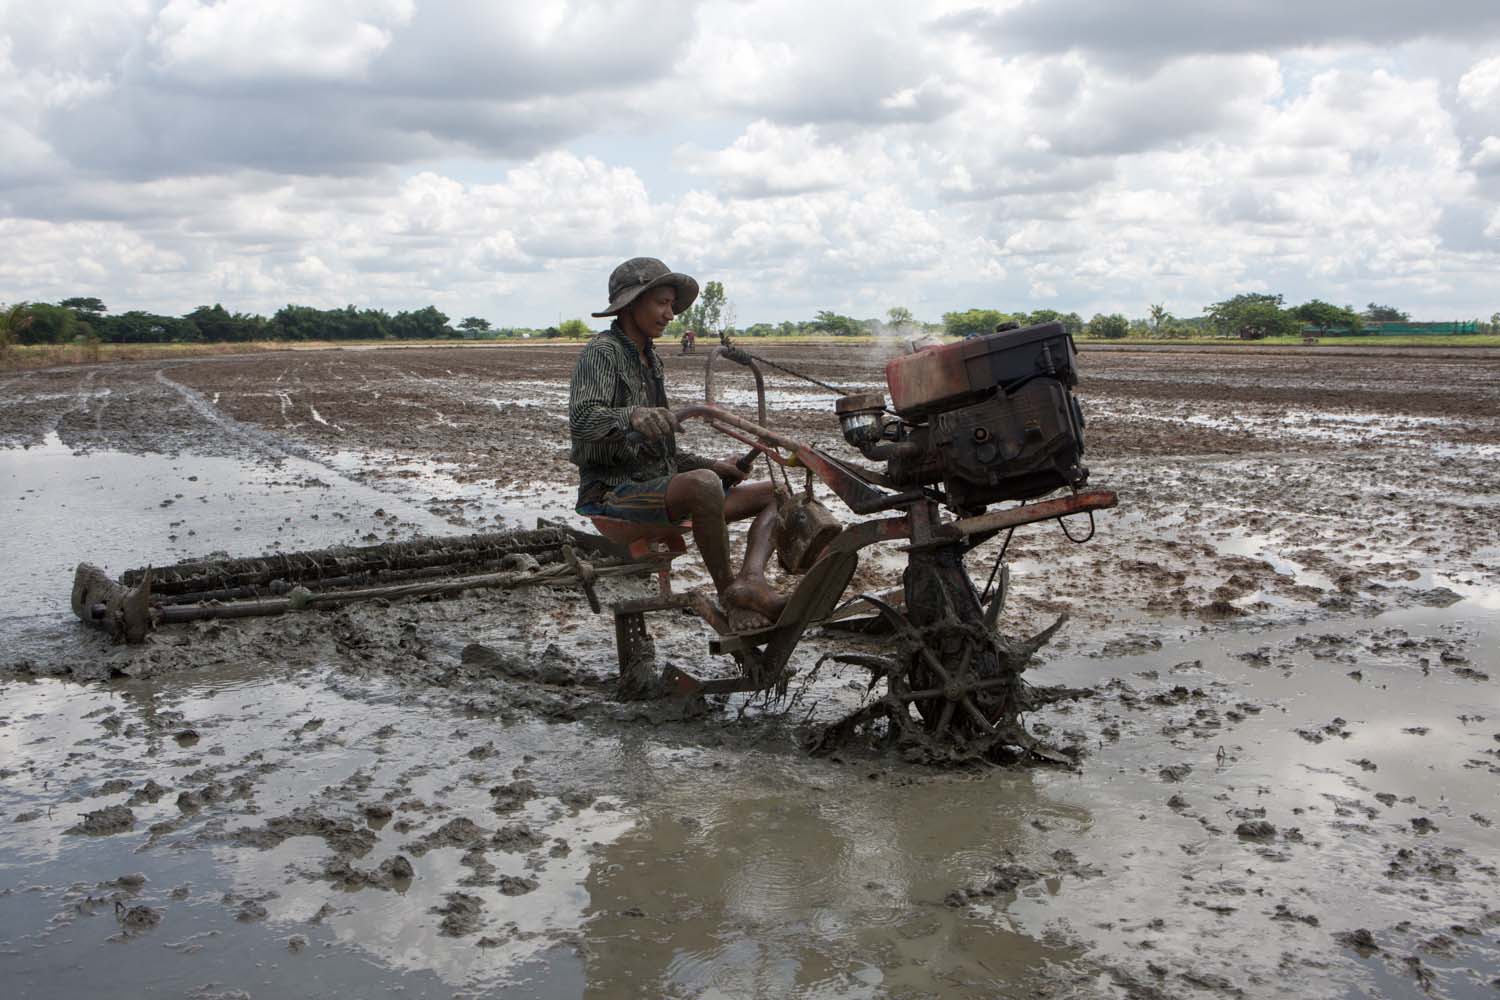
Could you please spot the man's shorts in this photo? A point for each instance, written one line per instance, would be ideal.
(643, 502)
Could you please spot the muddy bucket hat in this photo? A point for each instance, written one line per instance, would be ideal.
(641, 274)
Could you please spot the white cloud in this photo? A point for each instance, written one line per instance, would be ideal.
(498, 159)
(769, 160)
(1186, 98)
(1479, 88)
(1148, 32)
(837, 61)
(1487, 160)
(279, 40)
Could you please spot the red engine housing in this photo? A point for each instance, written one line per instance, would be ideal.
(944, 378)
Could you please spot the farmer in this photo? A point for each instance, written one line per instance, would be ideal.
(625, 447)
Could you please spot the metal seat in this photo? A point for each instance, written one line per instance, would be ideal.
(648, 542)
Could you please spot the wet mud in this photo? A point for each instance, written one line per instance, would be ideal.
(1279, 665)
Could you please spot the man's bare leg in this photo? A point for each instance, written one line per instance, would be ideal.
(750, 589)
(699, 495)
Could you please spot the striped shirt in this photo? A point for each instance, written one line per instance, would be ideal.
(609, 380)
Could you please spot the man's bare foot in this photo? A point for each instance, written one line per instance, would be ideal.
(746, 620)
(753, 595)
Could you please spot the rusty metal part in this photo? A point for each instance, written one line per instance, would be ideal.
(860, 402)
(637, 651)
(960, 712)
(1041, 510)
(850, 483)
(762, 653)
(943, 378)
(954, 685)
(996, 605)
(747, 460)
(637, 655)
(127, 612)
(742, 356)
(804, 527)
(861, 417)
(685, 685)
(760, 380)
(345, 561)
(123, 612)
(858, 536)
(586, 576)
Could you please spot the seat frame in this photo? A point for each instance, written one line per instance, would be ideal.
(659, 543)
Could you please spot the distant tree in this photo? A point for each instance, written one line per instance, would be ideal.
(1252, 316)
(1039, 317)
(706, 316)
(1385, 314)
(1159, 316)
(361, 324)
(574, 329)
(13, 319)
(552, 333)
(85, 306)
(899, 316)
(760, 330)
(421, 324)
(49, 325)
(973, 322)
(218, 325)
(1495, 322)
(1325, 316)
(474, 324)
(138, 327)
(839, 326)
(299, 323)
(1111, 327)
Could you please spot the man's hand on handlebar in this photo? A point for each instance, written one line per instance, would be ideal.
(652, 422)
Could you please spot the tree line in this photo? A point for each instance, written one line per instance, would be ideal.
(87, 318)
(1247, 316)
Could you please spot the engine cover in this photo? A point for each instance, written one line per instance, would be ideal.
(940, 379)
(1007, 447)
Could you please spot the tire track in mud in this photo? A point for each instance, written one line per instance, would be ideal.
(80, 403)
(41, 421)
(264, 442)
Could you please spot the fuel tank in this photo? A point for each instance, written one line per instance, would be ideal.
(939, 379)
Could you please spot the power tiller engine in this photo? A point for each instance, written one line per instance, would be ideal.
(992, 418)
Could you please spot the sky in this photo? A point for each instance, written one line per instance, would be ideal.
(497, 159)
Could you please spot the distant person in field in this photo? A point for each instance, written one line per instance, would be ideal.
(625, 446)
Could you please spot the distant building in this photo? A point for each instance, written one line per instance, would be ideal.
(1403, 328)
(1410, 327)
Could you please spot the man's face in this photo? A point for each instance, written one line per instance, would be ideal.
(653, 311)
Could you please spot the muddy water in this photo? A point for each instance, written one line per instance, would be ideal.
(1291, 735)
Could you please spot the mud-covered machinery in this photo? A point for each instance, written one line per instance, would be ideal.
(990, 420)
